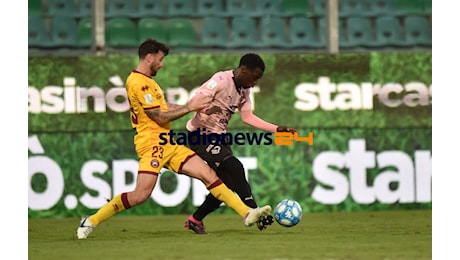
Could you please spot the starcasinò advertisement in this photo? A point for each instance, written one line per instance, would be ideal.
(364, 140)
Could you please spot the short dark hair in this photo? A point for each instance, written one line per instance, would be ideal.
(151, 46)
(252, 61)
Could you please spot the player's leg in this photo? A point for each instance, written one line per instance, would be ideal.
(144, 187)
(213, 154)
(123, 201)
(231, 172)
(196, 168)
(234, 168)
(146, 181)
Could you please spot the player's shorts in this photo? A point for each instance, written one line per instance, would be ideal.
(153, 158)
(213, 152)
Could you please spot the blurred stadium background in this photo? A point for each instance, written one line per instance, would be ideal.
(372, 125)
(375, 53)
(70, 26)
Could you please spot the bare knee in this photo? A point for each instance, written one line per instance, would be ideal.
(197, 168)
(144, 187)
(209, 176)
(137, 197)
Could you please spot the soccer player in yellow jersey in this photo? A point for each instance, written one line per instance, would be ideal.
(151, 116)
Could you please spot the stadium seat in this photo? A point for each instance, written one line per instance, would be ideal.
(411, 7)
(319, 8)
(266, 8)
(239, 7)
(417, 31)
(150, 27)
(210, 8)
(35, 8)
(63, 32)
(352, 8)
(85, 32)
(303, 33)
(62, 8)
(181, 8)
(84, 8)
(38, 32)
(244, 32)
(121, 32)
(358, 33)
(152, 8)
(294, 7)
(273, 32)
(121, 8)
(381, 8)
(182, 33)
(388, 32)
(215, 32)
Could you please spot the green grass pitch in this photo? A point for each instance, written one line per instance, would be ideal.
(334, 235)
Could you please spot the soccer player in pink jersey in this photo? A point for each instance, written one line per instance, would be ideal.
(230, 90)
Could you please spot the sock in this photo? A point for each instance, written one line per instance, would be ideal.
(209, 205)
(231, 172)
(234, 168)
(219, 190)
(118, 204)
(194, 219)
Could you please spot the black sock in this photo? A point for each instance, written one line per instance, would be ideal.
(231, 172)
(234, 168)
(209, 205)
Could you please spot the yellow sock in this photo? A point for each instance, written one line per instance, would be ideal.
(109, 210)
(220, 191)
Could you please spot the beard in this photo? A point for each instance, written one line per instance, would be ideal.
(153, 71)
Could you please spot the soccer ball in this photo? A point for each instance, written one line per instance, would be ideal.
(288, 213)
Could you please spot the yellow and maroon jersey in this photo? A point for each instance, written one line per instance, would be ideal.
(144, 94)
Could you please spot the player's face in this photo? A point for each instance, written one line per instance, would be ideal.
(249, 78)
(156, 63)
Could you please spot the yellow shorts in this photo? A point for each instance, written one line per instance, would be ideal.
(152, 159)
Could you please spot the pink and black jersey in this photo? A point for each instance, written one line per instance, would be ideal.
(227, 98)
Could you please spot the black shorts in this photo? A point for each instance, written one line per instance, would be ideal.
(214, 151)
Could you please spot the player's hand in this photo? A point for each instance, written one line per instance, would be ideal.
(286, 129)
(199, 102)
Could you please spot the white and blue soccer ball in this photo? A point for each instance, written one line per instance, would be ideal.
(288, 213)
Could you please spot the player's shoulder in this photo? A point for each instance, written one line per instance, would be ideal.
(223, 78)
(224, 75)
(134, 77)
(138, 79)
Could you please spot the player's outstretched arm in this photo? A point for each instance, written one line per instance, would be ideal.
(249, 118)
(163, 117)
(172, 106)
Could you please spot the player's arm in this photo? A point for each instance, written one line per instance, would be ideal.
(178, 111)
(172, 106)
(161, 117)
(250, 119)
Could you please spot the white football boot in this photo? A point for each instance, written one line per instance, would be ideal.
(85, 229)
(254, 215)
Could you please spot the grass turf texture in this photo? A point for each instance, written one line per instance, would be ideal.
(341, 235)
